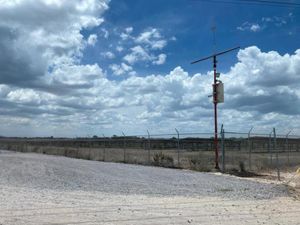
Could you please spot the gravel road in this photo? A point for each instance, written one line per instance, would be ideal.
(42, 189)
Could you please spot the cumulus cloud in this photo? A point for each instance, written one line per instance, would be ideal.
(127, 34)
(119, 48)
(129, 30)
(265, 22)
(261, 89)
(253, 27)
(124, 36)
(121, 69)
(145, 46)
(104, 33)
(270, 82)
(43, 84)
(39, 35)
(277, 20)
(138, 53)
(152, 38)
(108, 55)
(160, 60)
(92, 40)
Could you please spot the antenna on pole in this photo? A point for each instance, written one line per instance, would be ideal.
(213, 29)
(217, 94)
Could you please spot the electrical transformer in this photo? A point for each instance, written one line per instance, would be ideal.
(220, 92)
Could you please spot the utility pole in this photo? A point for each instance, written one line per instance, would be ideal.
(216, 97)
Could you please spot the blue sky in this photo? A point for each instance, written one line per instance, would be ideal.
(190, 22)
(78, 68)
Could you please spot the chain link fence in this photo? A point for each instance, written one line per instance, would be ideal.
(238, 151)
(258, 153)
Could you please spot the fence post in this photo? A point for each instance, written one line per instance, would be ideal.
(275, 149)
(178, 164)
(149, 146)
(287, 146)
(124, 146)
(223, 148)
(270, 149)
(250, 149)
(89, 146)
(104, 150)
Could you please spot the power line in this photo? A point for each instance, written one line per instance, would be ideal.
(273, 2)
(254, 2)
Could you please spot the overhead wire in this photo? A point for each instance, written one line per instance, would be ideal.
(273, 2)
(254, 2)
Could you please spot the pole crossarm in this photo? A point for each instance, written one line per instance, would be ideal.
(214, 55)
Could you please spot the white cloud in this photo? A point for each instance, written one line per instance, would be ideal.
(137, 54)
(45, 89)
(152, 38)
(105, 33)
(108, 55)
(129, 30)
(260, 90)
(266, 22)
(161, 59)
(277, 20)
(51, 32)
(124, 36)
(121, 69)
(255, 27)
(26, 96)
(146, 46)
(119, 48)
(92, 40)
(78, 76)
(252, 27)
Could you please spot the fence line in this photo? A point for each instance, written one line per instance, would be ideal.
(249, 151)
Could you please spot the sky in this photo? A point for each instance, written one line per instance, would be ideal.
(100, 67)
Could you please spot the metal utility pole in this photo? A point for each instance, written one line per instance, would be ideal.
(215, 97)
(178, 147)
(250, 148)
(124, 148)
(104, 150)
(149, 146)
(287, 146)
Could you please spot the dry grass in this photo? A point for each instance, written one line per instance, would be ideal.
(195, 160)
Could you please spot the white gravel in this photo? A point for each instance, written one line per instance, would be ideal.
(42, 189)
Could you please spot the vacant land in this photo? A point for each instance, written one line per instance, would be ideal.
(237, 156)
(43, 189)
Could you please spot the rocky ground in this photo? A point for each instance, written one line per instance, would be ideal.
(43, 189)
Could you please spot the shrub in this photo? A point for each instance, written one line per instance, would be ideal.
(242, 167)
(160, 159)
(197, 163)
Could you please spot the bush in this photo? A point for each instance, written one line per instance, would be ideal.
(160, 159)
(242, 167)
(199, 164)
